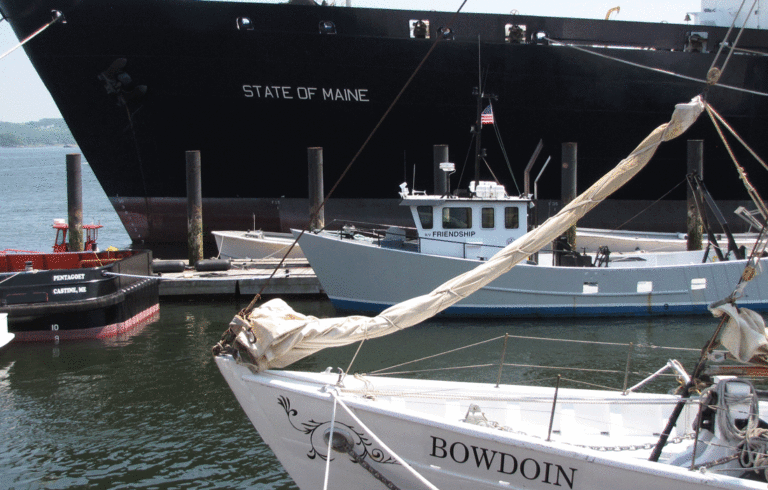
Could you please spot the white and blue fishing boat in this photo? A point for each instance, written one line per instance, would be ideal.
(371, 270)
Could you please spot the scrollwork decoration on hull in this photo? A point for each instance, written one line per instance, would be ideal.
(318, 433)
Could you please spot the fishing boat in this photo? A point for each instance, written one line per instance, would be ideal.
(67, 295)
(371, 269)
(336, 430)
(286, 76)
(255, 244)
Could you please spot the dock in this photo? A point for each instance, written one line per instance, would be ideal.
(246, 277)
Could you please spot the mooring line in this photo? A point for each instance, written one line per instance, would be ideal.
(57, 16)
(656, 70)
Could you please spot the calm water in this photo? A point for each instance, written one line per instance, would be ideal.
(33, 192)
(151, 410)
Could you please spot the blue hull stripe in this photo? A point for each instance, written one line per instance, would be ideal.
(555, 311)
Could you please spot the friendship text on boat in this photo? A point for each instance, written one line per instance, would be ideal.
(449, 234)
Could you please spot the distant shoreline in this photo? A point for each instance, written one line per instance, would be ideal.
(45, 132)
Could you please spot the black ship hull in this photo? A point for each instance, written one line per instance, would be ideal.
(76, 301)
(252, 86)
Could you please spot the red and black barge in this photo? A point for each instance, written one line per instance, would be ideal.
(76, 295)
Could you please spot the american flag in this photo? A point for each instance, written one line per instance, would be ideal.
(486, 117)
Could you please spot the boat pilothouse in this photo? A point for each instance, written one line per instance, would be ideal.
(475, 225)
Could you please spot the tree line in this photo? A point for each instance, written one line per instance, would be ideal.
(45, 132)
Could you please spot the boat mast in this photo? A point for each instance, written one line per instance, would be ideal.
(478, 122)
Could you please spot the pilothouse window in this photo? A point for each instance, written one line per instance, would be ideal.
(457, 218)
(425, 216)
(511, 218)
(487, 218)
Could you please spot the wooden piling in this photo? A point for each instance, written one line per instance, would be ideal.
(75, 202)
(316, 188)
(194, 208)
(568, 184)
(440, 182)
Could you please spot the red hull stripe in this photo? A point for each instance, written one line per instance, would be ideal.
(140, 319)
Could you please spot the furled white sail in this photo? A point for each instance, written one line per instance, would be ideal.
(744, 334)
(274, 335)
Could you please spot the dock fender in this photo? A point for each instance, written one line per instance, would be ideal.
(207, 265)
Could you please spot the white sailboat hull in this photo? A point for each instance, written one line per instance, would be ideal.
(422, 422)
(359, 275)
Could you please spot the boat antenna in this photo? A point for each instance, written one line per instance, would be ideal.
(405, 167)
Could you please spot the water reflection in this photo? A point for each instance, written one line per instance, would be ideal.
(150, 410)
(144, 410)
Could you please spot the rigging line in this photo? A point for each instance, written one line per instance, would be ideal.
(330, 447)
(585, 370)
(57, 16)
(742, 174)
(650, 205)
(495, 179)
(752, 266)
(727, 35)
(466, 161)
(233, 277)
(750, 51)
(514, 365)
(657, 70)
(244, 313)
(503, 148)
(147, 202)
(610, 388)
(437, 355)
(11, 277)
(735, 42)
(712, 110)
(360, 346)
(381, 443)
(738, 36)
(432, 370)
(594, 342)
(591, 342)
